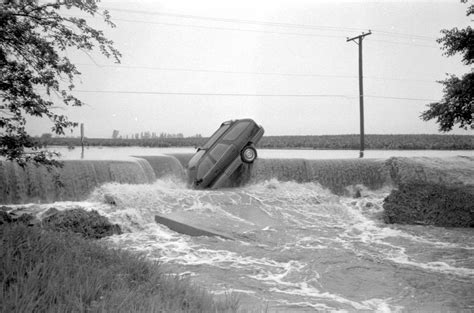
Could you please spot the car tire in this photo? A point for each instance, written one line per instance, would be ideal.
(248, 154)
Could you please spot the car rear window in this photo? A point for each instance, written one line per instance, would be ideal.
(196, 157)
(204, 167)
(216, 136)
(235, 132)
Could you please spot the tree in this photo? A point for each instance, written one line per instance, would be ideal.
(457, 105)
(35, 72)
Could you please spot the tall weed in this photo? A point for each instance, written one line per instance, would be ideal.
(45, 271)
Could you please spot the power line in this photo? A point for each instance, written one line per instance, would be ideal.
(175, 69)
(266, 23)
(244, 94)
(400, 98)
(231, 20)
(265, 31)
(404, 35)
(262, 31)
(220, 28)
(405, 43)
(228, 28)
(211, 94)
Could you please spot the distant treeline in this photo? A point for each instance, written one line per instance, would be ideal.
(375, 142)
(331, 142)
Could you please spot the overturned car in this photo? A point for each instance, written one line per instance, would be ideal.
(232, 145)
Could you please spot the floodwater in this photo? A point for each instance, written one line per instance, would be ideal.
(295, 247)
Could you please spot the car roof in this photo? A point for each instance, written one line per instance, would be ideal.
(230, 123)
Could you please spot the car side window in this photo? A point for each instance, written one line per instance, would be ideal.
(216, 136)
(235, 132)
(217, 152)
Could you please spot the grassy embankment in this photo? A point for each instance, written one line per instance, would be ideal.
(330, 142)
(48, 271)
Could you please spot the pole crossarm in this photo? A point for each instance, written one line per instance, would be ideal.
(359, 37)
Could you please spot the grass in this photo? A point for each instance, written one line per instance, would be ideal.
(47, 271)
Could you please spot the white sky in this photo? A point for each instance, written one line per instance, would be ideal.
(181, 53)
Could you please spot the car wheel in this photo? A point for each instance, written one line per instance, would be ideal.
(248, 154)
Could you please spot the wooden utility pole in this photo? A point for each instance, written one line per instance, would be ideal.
(361, 90)
(82, 140)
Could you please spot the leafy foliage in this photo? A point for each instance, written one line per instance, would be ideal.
(35, 69)
(457, 105)
(459, 40)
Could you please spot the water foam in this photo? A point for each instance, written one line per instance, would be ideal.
(378, 305)
(292, 239)
(301, 205)
(374, 233)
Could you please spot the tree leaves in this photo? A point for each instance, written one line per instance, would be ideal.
(34, 68)
(459, 41)
(457, 105)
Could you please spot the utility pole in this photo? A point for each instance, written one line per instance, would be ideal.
(82, 140)
(361, 90)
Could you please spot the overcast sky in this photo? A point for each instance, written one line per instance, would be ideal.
(187, 66)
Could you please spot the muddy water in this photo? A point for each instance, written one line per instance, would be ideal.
(296, 247)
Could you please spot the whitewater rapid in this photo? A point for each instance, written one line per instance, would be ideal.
(296, 247)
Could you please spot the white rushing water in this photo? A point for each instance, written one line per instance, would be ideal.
(296, 247)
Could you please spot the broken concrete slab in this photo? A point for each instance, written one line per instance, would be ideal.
(186, 229)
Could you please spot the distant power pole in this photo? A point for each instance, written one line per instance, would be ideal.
(361, 90)
(82, 140)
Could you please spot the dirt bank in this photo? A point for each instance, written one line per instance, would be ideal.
(431, 191)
